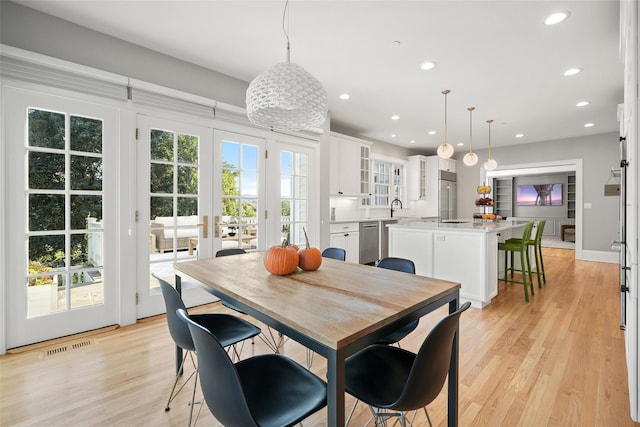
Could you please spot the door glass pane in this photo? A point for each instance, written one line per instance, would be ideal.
(86, 173)
(46, 129)
(161, 145)
(239, 195)
(86, 134)
(64, 196)
(46, 171)
(293, 195)
(46, 212)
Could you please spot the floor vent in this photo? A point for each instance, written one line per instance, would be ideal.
(62, 349)
(57, 350)
(81, 344)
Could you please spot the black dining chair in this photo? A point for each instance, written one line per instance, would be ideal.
(406, 266)
(268, 390)
(335, 253)
(394, 381)
(272, 339)
(229, 329)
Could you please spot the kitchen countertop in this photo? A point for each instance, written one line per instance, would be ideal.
(400, 218)
(470, 226)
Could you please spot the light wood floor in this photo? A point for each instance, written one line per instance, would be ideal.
(557, 361)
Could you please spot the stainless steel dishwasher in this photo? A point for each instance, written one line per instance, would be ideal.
(369, 242)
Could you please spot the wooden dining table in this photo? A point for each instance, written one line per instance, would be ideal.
(335, 311)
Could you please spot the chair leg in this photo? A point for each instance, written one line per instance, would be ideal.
(310, 355)
(538, 273)
(524, 276)
(528, 261)
(544, 277)
(193, 398)
(506, 266)
(428, 418)
(353, 408)
(172, 395)
(273, 342)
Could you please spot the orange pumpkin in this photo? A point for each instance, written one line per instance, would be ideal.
(281, 260)
(310, 258)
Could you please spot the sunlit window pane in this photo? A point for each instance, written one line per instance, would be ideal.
(86, 173)
(230, 155)
(86, 134)
(46, 171)
(46, 129)
(161, 145)
(46, 212)
(187, 180)
(187, 149)
(161, 178)
(84, 207)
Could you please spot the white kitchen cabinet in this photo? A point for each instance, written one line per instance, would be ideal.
(417, 177)
(347, 236)
(349, 167)
(448, 165)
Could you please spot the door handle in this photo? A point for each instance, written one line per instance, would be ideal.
(205, 226)
(216, 232)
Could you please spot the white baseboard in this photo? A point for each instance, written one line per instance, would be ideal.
(600, 256)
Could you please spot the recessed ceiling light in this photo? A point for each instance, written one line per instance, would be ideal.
(556, 18)
(432, 132)
(395, 117)
(582, 104)
(572, 71)
(429, 65)
(412, 142)
(460, 144)
(393, 135)
(589, 125)
(519, 135)
(345, 96)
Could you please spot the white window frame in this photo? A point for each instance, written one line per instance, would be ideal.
(398, 190)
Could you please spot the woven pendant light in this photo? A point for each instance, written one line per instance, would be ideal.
(286, 97)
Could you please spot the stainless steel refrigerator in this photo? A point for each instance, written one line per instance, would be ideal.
(448, 196)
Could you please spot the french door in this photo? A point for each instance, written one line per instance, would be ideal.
(62, 174)
(239, 186)
(173, 210)
(296, 207)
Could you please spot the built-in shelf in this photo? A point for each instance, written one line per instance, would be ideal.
(571, 196)
(503, 196)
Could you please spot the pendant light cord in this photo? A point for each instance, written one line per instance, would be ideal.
(489, 121)
(445, 92)
(285, 15)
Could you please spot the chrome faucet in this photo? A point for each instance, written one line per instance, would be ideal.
(395, 201)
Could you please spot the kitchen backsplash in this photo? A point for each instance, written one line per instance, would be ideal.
(344, 208)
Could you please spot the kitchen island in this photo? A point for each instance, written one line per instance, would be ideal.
(463, 251)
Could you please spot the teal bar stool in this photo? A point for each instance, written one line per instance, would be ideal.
(536, 244)
(521, 247)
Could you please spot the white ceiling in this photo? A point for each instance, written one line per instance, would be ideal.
(497, 56)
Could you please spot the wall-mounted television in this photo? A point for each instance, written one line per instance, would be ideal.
(539, 195)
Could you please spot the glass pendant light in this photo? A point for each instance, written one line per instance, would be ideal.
(286, 97)
(470, 158)
(490, 164)
(445, 150)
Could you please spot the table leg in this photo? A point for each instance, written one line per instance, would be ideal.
(335, 390)
(179, 354)
(453, 374)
